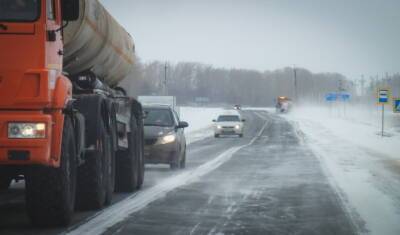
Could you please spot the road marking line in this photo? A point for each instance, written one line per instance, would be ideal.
(120, 211)
(260, 116)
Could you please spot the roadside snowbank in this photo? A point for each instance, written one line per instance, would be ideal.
(363, 166)
(356, 125)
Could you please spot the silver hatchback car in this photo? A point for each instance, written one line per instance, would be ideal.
(228, 124)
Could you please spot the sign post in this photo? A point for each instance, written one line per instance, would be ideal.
(383, 98)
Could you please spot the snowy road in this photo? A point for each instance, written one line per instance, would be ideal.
(268, 182)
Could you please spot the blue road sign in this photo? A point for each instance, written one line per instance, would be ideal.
(396, 105)
(344, 96)
(383, 96)
(337, 96)
(331, 97)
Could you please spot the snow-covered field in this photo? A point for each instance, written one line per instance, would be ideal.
(200, 122)
(363, 166)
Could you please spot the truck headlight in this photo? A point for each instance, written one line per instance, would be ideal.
(26, 130)
(237, 127)
(219, 127)
(167, 139)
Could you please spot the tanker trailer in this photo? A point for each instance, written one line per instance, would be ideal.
(66, 127)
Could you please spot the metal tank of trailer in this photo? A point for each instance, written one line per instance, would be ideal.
(97, 42)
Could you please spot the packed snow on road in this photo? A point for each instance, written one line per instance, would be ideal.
(363, 165)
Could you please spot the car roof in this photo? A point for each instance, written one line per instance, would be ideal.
(230, 113)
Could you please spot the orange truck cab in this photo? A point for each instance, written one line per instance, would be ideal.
(71, 137)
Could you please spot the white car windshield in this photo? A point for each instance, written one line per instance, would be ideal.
(228, 118)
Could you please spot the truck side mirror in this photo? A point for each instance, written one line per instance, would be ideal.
(70, 10)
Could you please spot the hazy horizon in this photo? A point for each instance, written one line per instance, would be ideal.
(349, 37)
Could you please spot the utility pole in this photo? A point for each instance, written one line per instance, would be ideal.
(165, 79)
(295, 83)
(362, 82)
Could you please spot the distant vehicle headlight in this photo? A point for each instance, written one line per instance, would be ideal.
(26, 130)
(167, 139)
(237, 127)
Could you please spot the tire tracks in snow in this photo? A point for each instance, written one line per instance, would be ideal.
(102, 221)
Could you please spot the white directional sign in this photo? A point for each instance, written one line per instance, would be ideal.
(383, 96)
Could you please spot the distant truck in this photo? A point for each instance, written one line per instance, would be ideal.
(160, 100)
(65, 125)
(283, 104)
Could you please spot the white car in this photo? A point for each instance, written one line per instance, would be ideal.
(228, 124)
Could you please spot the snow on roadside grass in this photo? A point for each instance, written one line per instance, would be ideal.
(200, 122)
(356, 161)
(360, 127)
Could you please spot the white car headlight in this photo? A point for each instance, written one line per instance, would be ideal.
(219, 127)
(237, 127)
(167, 139)
(26, 130)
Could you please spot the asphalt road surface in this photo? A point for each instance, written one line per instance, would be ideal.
(268, 182)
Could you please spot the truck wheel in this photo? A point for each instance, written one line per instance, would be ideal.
(127, 174)
(111, 168)
(241, 135)
(92, 175)
(141, 159)
(50, 192)
(216, 135)
(127, 167)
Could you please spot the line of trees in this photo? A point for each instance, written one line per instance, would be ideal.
(187, 81)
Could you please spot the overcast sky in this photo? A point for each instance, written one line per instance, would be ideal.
(352, 37)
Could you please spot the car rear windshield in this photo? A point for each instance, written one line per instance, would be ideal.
(19, 10)
(158, 117)
(229, 118)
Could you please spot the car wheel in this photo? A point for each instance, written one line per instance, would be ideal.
(183, 161)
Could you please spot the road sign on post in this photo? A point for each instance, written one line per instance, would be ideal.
(383, 98)
(396, 105)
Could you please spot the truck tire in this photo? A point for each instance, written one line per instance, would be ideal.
(92, 175)
(216, 135)
(50, 192)
(141, 156)
(111, 166)
(127, 163)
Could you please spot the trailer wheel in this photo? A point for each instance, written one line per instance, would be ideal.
(92, 175)
(111, 167)
(141, 157)
(127, 163)
(50, 192)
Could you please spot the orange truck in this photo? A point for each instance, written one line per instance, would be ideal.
(66, 127)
